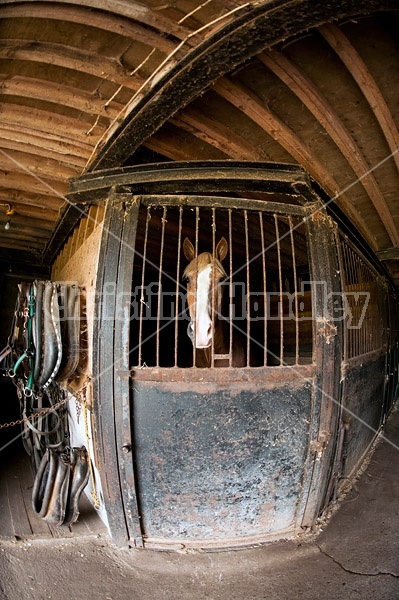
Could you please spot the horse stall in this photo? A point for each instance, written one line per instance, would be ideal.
(247, 438)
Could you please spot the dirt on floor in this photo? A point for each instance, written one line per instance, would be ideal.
(355, 556)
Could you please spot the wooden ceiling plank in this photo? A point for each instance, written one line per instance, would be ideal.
(12, 196)
(367, 84)
(46, 91)
(36, 150)
(38, 165)
(45, 215)
(50, 141)
(20, 245)
(46, 123)
(82, 16)
(74, 59)
(320, 108)
(250, 104)
(20, 180)
(125, 8)
(216, 134)
(40, 226)
(31, 236)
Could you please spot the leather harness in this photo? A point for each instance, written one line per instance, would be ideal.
(41, 355)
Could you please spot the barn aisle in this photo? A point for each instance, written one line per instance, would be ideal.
(356, 556)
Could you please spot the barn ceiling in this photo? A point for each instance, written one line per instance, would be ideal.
(94, 84)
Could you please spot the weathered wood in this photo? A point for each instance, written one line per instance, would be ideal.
(66, 224)
(264, 25)
(38, 165)
(78, 14)
(211, 131)
(58, 93)
(132, 10)
(192, 177)
(68, 58)
(241, 97)
(355, 65)
(318, 105)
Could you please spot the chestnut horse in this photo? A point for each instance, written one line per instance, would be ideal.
(206, 329)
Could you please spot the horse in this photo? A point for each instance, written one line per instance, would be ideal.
(209, 333)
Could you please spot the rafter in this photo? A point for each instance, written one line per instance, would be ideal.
(14, 180)
(46, 141)
(58, 94)
(125, 8)
(73, 59)
(213, 132)
(38, 165)
(248, 102)
(119, 25)
(366, 82)
(47, 124)
(320, 108)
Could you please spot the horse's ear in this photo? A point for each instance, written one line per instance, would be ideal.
(188, 249)
(222, 249)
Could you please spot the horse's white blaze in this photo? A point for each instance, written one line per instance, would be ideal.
(203, 320)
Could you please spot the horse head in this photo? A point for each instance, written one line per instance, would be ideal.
(204, 274)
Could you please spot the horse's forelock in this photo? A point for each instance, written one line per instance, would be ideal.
(200, 262)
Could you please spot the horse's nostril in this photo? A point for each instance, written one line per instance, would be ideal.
(190, 331)
(210, 330)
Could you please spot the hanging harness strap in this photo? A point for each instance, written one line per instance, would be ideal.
(51, 338)
(43, 349)
(70, 331)
(59, 483)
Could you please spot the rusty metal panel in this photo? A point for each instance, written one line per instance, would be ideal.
(363, 391)
(218, 462)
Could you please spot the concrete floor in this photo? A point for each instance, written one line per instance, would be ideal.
(356, 556)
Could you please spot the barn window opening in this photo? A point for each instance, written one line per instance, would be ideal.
(257, 303)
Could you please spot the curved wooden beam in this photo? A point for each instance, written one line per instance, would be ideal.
(27, 146)
(268, 23)
(216, 134)
(248, 102)
(318, 105)
(44, 123)
(55, 93)
(356, 67)
(123, 8)
(28, 183)
(49, 142)
(81, 15)
(69, 58)
(40, 166)
(30, 200)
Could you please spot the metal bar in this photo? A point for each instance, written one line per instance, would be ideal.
(230, 290)
(213, 317)
(344, 283)
(295, 291)
(190, 177)
(262, 238)
(281, 308)
(160, 283)
(142, 300)
(222, 202)
(178, 283)
(197, 218)
(248, 291)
